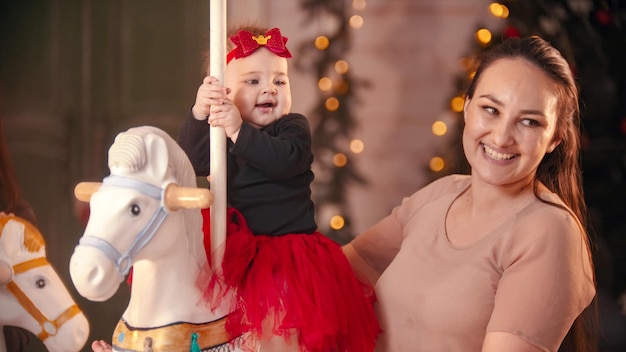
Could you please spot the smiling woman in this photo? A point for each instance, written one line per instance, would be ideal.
(505, 248)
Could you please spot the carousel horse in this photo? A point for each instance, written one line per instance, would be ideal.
(146, 215)
(32, 295)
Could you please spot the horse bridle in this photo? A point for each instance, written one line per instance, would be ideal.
(48, 327)
(123, 262)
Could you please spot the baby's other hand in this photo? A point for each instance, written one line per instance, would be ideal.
(101, 346)
(227, 115)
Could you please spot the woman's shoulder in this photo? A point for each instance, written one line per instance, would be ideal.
(551, 208)
(548, 219)
(447, 186)
(454, 183)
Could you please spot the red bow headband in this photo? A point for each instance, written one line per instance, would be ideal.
(246, 43)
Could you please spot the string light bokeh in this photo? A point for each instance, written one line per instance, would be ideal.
(334, 143)
(483, 37)
(336, 84)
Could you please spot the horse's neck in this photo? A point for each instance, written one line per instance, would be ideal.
(165, 291)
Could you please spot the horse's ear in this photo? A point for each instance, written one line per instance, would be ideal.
(12, 240)
(158, 156)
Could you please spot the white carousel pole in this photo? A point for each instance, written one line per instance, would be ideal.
(217, 66)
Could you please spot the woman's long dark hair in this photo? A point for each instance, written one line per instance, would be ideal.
(559, 171)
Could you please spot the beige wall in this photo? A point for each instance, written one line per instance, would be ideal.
(410, 50)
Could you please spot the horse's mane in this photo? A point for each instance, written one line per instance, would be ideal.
(33, 239)
(129, 151)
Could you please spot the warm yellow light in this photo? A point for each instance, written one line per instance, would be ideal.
(439, 128)
(505, 11)
(499, 10)
(337, 222)
(332, 104)
(322, 42)
(357, 146)
(340, 160)
(467, 63)
(341, 66)
(495, 9)
(436, 164)
(325, 84)
(483, 36)
(359, 5)
(356, 21)
(457, 103)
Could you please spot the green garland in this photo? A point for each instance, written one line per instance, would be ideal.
(333, 129)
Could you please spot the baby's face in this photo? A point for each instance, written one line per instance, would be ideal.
(259, 86)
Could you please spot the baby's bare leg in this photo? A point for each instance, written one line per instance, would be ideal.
(275, 343)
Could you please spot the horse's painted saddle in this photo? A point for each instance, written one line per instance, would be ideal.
(176, 337)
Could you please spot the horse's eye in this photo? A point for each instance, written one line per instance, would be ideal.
(134, 210)
(41, 283)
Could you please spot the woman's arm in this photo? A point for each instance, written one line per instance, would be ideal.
(547, 280)
(362, 270)
(371, 252)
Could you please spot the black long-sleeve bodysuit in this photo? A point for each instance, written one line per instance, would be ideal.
(268, 172)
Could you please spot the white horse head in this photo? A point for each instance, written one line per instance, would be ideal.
(145, 214)
(32, 295)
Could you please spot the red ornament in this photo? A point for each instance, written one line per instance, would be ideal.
(623, 126)
(604, 17)
(511, 32)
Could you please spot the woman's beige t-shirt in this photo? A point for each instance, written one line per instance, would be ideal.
(531, 277)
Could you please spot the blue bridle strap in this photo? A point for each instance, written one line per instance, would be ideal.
(143, 187)
(123, 262)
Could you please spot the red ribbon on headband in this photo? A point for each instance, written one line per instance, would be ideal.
(246, 43)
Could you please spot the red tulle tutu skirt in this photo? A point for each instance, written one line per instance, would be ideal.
(299, 283)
